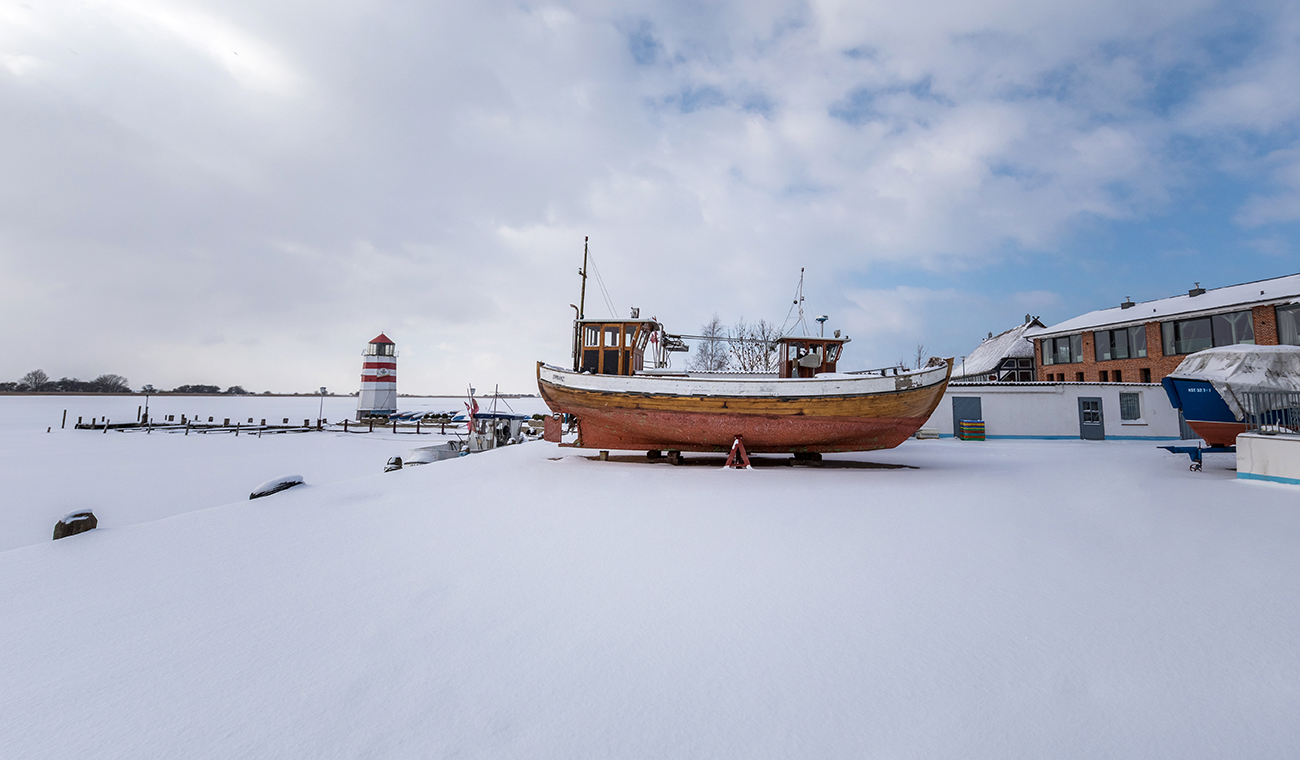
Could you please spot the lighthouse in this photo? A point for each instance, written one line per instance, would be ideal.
(378, 379)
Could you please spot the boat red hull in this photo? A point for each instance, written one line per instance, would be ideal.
(686, 431)
(1217, 433)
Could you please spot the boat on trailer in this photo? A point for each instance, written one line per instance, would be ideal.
(1213, 389)
(806, 407)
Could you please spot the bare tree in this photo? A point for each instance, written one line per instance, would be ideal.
(111, 384)
(920, 356)
(712, 354)
(35, 380)
(753, 345)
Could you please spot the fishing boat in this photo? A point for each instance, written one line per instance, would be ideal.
(621, 397)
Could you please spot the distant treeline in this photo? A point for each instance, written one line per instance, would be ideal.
(37, 381)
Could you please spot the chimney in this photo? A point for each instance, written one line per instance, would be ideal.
(1128, 303)
(1196, 291)
(1027, 318)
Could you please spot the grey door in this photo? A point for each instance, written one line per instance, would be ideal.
(965, 408)
(1091, 425)
(1184, 430)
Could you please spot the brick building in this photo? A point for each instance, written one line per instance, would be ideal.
(1143, 342)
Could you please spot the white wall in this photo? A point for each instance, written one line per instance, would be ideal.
(1268, 457)
(1051, 410)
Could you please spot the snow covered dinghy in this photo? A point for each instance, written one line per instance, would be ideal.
(1211, 387)
(806, 407)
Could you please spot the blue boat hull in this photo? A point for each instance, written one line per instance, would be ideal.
(1205, 410)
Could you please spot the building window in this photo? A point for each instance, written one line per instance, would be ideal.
(1288, 325)
(1127, 343)
(1064, 350)
(1078, 377)
(1102, 376)
(1114, 375)
(1146, 374)
(1187, 336)
(1130, 406)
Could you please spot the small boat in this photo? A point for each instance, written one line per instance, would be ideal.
(1212, 387)
(807, 407)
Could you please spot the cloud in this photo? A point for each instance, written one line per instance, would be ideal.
(248, 192)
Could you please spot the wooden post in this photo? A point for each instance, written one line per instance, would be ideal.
(345, 425)
(64, 424)
(105, 424)
(394, 426)
(372, 425)
(138, 409)
(78, 422)
(306, 423)
(236, 429)
(417, 427)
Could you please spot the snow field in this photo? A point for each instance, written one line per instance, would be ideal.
(1005, 599)
(130, 477)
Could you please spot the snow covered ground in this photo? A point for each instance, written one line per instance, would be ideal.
(1003, 599)
(130, 477)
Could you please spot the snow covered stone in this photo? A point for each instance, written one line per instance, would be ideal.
(74, 523)
(275, 485)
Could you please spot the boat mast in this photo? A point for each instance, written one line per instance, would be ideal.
(582, 297)
(580, 309)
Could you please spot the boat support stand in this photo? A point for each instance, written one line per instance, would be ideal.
(738, 458)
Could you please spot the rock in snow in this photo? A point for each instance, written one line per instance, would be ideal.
(74, 523)
(276, 485)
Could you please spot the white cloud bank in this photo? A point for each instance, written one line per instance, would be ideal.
(247, 192)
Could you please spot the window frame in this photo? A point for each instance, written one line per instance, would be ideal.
(1173, 342)
(1136, 399)
(1133, 334)
(1073, 346)
(1292, 310)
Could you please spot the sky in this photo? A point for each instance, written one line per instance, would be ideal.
(248, 192)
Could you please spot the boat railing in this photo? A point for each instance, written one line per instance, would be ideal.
(897, 369)
(1271, 412)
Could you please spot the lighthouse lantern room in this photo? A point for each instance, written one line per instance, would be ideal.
(378, 396)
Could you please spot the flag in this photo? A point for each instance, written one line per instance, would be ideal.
(471, 409)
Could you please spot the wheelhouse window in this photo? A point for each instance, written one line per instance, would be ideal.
(1187, 336)
(591, 336)
(1063, 350)
(1125, 343)
(611, 337)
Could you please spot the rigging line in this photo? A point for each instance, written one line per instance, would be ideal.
(601, 282)
(798, 302)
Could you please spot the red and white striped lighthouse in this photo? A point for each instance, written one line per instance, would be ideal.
(378, 379)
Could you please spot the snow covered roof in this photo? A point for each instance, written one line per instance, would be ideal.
(382, 339)
(1215, 300)
(991, 351)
